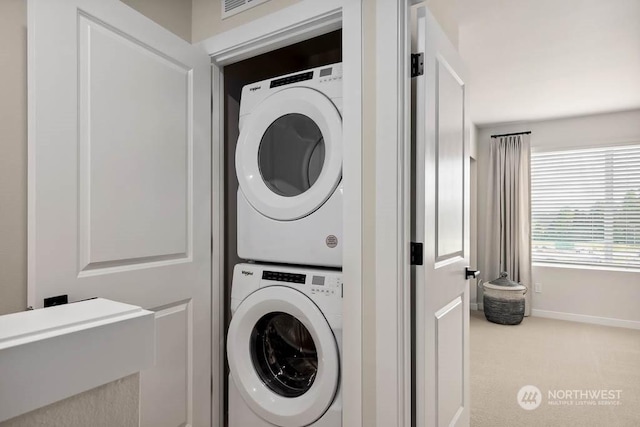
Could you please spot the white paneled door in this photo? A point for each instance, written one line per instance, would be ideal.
(441, 213)
(120, 184)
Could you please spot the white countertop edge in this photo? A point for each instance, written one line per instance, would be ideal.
(49, 354)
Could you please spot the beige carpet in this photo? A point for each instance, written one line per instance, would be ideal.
(573, 361)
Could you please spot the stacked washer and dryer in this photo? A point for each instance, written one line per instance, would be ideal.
(285, 337)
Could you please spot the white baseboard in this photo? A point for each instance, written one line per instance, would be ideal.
(475, 306)
(583, 318)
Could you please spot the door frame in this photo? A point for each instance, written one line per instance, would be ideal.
(394, 393)
(301, 21)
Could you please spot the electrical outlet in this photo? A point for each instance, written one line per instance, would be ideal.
(538, 287)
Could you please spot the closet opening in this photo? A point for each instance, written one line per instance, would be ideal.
(319, 51)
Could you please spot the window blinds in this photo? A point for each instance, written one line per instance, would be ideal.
(585, 207)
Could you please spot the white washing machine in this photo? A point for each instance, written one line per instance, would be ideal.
(283, 346)
(289, 167)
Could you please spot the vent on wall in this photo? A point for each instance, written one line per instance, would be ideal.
(231, 7)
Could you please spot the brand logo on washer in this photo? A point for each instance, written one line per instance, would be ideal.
(331, 241)
(247, 273)
(253, 89)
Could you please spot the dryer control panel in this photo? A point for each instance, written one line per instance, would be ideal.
(326, 79)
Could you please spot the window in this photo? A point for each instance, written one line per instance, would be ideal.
(585, 207)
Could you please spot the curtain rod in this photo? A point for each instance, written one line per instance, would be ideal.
(512, 134)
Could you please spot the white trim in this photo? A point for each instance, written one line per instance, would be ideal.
(217, 249)
(474, 306)
(31, 157)
(604, 144)
(290, 25)
(583, 318)
(352, 204)
(301, 21)
(393, 168)
(540, 264)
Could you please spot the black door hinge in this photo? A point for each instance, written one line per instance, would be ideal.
(417, 64)
(416, 253)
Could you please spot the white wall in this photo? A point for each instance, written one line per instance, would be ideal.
(174, 15)
(569, 290)
(110, 405)
(447, 14)
(13, 156)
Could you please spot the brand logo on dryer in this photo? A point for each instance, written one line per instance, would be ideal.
(247, 273)
(253, 89)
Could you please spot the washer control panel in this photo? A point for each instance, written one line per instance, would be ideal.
(323, 286)
(313, 282)
(280, 276)
(326, 285)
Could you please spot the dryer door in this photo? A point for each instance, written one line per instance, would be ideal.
(289, 153)
(283, 356)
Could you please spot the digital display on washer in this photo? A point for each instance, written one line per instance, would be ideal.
(317, 280)
(292, 79)
(284, 277)
(325, 72)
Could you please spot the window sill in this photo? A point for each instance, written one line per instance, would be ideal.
(585, 267)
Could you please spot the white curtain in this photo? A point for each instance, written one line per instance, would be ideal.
(508, 226)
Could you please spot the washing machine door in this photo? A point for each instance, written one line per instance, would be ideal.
(283, 356)
(289, 153)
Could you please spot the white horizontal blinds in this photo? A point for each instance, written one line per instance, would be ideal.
(585, 206)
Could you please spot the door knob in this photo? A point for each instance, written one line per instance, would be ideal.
(471, 274)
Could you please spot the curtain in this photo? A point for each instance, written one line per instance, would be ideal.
(508, 226)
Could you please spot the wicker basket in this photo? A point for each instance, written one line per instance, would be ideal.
(504, 304)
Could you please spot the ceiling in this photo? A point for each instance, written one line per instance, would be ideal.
(544, 59)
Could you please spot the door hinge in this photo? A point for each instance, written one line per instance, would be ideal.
(416, 253)
(417, 64)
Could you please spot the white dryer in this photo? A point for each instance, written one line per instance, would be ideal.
(289, 169)
(283, 347)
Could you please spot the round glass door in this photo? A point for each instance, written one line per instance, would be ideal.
(284, 354)
(291, 155)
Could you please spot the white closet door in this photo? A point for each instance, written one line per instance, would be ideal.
(120, 184)
(442, 224)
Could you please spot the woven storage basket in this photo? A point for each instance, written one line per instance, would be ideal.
(504, 304)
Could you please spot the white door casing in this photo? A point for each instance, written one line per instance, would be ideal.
(300, 21)
(119, 184)
(442, 223)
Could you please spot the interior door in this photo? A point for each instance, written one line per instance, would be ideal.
(441, 223)
(120, 184)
